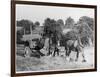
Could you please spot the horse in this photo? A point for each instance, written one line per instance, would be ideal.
(74, 45)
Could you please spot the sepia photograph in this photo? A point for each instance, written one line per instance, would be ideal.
(54, 38)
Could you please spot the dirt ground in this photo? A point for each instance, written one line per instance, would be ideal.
(55, 63)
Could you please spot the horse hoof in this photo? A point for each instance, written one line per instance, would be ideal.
(76, 60)
(70, 59)
(53, 56)
(84, 61)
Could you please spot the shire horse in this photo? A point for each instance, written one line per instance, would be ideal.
(73, 45)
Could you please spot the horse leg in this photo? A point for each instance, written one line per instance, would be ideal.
(77, 55)
(83, 57)
(54, 53)
(48, 49)
(68, 55)
(69, 51)
(58, 52)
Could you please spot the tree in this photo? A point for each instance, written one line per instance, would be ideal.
(88, 20)
(37, 23)
(47, 24)
(52, 30)
(57, 32)
(85, 30)
(85, 33)
(69, 23)
(61, 23)
(27, 25)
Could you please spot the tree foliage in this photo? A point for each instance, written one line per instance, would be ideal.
(26, 24)
(37, 23)
(85, 32)
(69, 23)
(52, 29)
(88, 20)
(61, 23)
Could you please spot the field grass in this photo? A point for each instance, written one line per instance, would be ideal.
(54, 63)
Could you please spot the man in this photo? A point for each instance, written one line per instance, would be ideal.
(37, 49)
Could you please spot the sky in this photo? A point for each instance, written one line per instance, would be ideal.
(40, 13)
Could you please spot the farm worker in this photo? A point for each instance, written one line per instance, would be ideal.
(37, 48)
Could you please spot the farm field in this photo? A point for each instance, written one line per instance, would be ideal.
(49, 63)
